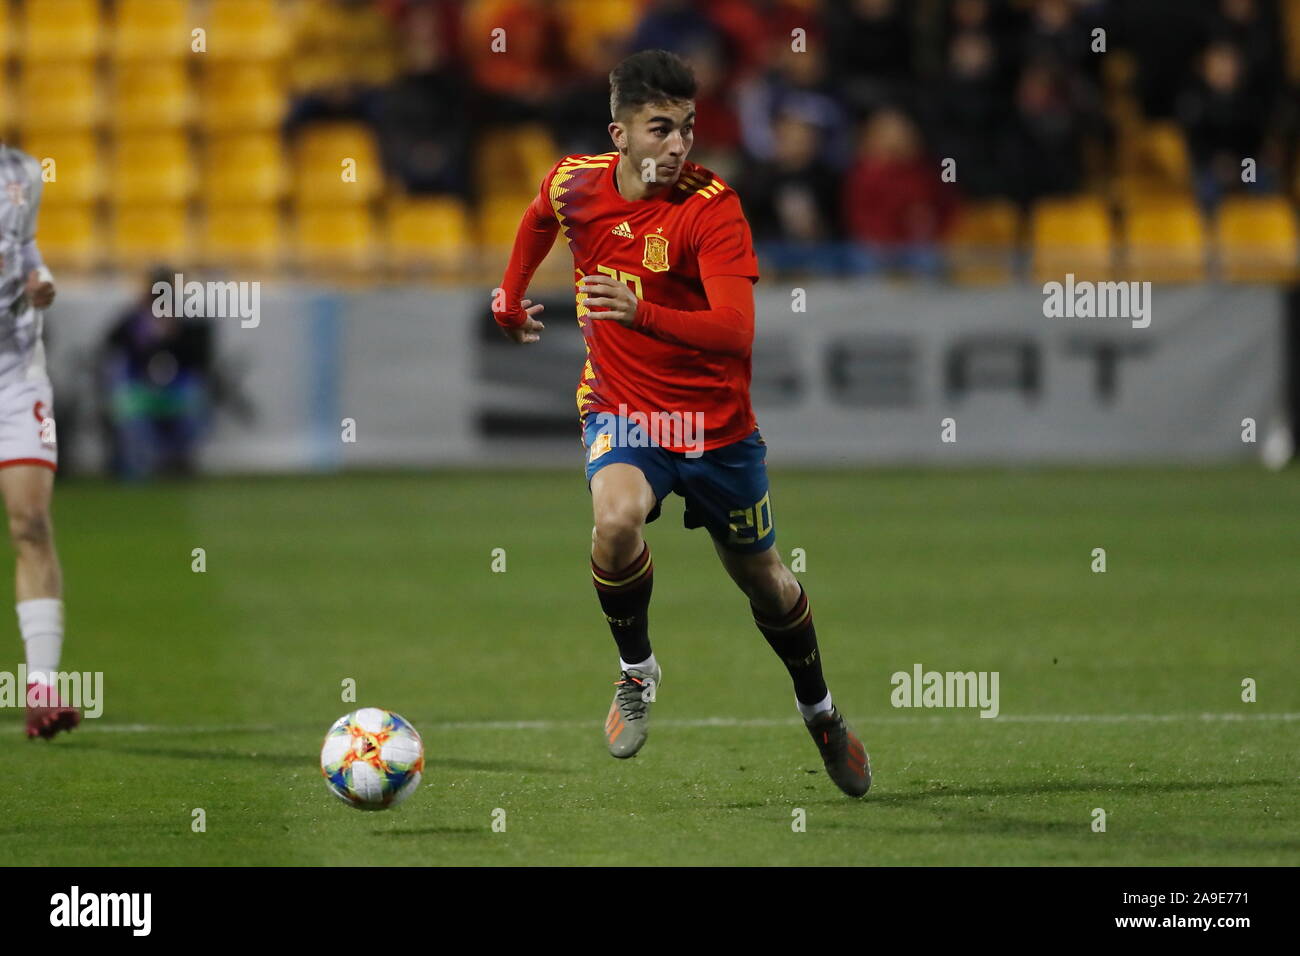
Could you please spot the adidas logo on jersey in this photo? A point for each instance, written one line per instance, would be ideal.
(623, 229)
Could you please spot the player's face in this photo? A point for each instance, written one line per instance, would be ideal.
(657, 137)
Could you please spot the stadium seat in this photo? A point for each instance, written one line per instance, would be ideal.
(78, 175)
(68, 236)
(242, 169)
(243, 236)
(983, 244)
(1153, 161)
(1256, 240)
(151, 30)
(60, 30)
(154, 167)
(1073, 235)
(319, 169)
(58, 98)
(1164, 241)
(430, 232)
(587, 25)
(242, 100)
(246, 30)
(498, 222)
(146, 233)
(327, 238)
(151, 96)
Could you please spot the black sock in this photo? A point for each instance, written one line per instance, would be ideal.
(625, 599)
(795, 641)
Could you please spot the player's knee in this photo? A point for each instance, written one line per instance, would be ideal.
(768, 585)
(618, 527)
(30, 527)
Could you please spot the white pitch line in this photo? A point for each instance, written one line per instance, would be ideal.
(700, 722)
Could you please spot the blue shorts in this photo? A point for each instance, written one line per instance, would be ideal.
(725, 488)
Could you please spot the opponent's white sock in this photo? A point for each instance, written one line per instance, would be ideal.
(648, 665)
(810, 711)
(40, 621)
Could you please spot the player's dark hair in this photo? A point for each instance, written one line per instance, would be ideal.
(651, 76)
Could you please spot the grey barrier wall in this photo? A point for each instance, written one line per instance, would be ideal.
(864, 374)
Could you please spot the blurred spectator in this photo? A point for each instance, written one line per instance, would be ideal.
(344, 54)
(870, 46)
(796, 83)
(792, 200)
(1256, 33)
(423, 117)
(1224, 122)
(579, 115)
(1165, 37)
(518, 84)
(970, 114)
(717, 121)
(1046, 143)
(896, 206)
(674, 25)
(156, 376)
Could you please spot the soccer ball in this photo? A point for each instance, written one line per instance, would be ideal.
(372, 759)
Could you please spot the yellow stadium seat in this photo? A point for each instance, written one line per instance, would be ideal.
(68, 236)
(76, 170)
(1073, 235)
(151, 96)
(144, 234)
(153, 167)
(243, 169)
(60, 30)
(588, 25)
(246, 30)
(151, 30)
(335, 237)
(337, 162)
(499, 221)
(1153, 161)
(58, 98)
(983, 244)
(244, 236)
(1165, 241)
(248, 98)
(1256, 240)
(428, 232)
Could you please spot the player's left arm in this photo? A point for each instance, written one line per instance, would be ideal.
(40, 281)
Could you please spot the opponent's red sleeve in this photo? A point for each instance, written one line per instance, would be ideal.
(533, 241)
(726, 326)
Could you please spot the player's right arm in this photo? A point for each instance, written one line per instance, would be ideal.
(536, 235)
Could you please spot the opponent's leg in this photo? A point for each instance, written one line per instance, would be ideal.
(623, 575)
(784, 618)
(38, 588)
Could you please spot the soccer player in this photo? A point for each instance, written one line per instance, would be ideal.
(664, 268)
(28, 452)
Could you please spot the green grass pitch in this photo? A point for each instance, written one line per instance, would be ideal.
(1119, 691)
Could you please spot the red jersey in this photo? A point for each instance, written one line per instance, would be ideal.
(665, 249)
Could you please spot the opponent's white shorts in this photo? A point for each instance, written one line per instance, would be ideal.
(27, 432)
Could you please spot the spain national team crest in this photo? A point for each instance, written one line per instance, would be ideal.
(656, 253)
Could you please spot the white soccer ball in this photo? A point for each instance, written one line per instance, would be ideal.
(372, 759)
